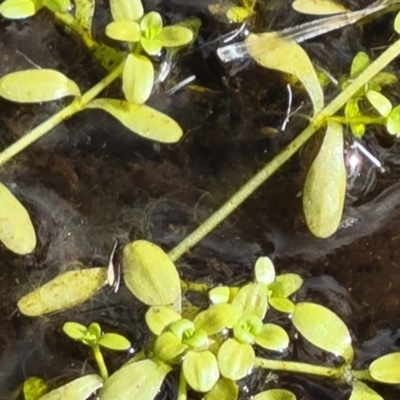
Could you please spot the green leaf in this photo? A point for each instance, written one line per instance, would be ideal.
(16, 229)
(126, 9)
(318, 7)
(168, 347)
(393, 121)
(285, 285)
(275, 394)
(235, 359)
(124, 30)
(238, 14)
(217, 318)
(251, 299)
(219, 295)
(224, 389)
(281, 304)
(75, 330)
(95, 330)
(57, 6)
(200, 370)
(36, 86)
(143, 120)
(63, 292)
(359, 64)
(352, 110)
(151, 46)
(140, 380)
(151, 25)
(175, 36)
(383, 78)
(247, 328)
(84, 11)
(386, 369)
(79, 389)
(397, 23)
(325, 186)
(264, 270)
(18, 9)
(381, 103)
(275, 52)
(137, 79)
(114, 341)
(158, 318)
(182, 328)
(198, 340)
(34, 388)
(324, 329)
(151, 275)
(361, 391)
(273, 337)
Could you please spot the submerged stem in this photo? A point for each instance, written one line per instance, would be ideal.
(98, 356)
(292, 366)
(76, 106)
(259, 178)
(182, 389)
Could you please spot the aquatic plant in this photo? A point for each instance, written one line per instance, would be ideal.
(216, 347)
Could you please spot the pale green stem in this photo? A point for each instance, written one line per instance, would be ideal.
(182, 389)
(77, 105)
(358, 120)
(248, 188)
(100, 361)
(362, 375)
(292, 366)
(194, 286)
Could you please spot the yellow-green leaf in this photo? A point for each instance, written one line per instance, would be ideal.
(124, 30)
(65, 291)
(175, 35)
(325, 186)
(140, 380)
(273, 337)
(251, 299)
(34, 388)
(79, 389)
(224, 389)
(386, 369)
(137, 78)
(158, 318)
(275, 394)
(200, 370)
(361, 391)
(16, 229)
(84, 10)
(318, 7)
(151, 275)
(168, 347)
(36, 86)
(380, 102)
(287, 56)
(235, 359)
(143, 120)
(238, 14)
(18, 9)
(216, 318)
(323, 329)
(264, 270)
(126, 9)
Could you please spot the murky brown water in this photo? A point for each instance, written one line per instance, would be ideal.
(90, 182)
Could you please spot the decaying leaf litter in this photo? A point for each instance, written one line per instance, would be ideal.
(95, 178)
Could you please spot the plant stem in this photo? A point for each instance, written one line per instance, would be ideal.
(362, 375)
(259, 178)
(77, 105)
(365, 120)
(182, 389)
(100, 361)
(292, 366)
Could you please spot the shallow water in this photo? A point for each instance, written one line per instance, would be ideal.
(90, 182)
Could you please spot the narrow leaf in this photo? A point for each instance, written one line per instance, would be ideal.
(79, 389)
(323, 329)
(283, 55)
(114, 341)
(137, 78)
(318, 7)
(65, 291)
(140, 380)
(380, 102)
(150, 274)
(325, 186)
(143, 120)
(386, 369)
(36, 86)
(16, 229)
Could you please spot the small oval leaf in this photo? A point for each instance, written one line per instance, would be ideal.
(143, 120)
(323, 329)
(251, 299)
(34, 388)
(380, 102)
(124, 30)
(275, 394)
(386, 369)
(36, 86)
(325, 186)
(264, 270)
(137, 78)
(273, 337)
(174, 36)
(18, 9)
(150, 274)
(224, 389)
(158, 318)
(216, 318)
(140, 380)
(16, 229)
(65, 291)
(79, 389)
(318, 7)
(361, 391)
(114, 341)
(126, 9)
